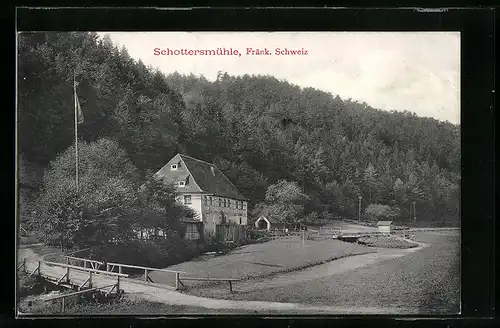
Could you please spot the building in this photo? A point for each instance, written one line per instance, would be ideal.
(205, 189)
(268, 224)
(384, 227)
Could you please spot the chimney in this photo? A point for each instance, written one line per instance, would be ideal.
(213, 170)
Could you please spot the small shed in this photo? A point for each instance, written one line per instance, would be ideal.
(268, 223)
(384, 226)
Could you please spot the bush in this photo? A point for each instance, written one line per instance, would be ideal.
(157, 253)
(385, 242)
(254, 234)
(28, 285)
(376, 212)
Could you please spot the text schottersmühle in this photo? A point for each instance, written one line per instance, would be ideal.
(230, 52)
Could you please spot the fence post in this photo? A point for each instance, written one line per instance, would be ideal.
(230, 286)
(39, 263)
(119, 269)
(177, 281)
(107, 267)
(118, 284)
(67, 275)
(67, 260)
(146, 275)
(62, 305)
(90, 279)
(24, 265)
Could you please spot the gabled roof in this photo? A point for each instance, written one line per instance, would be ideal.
(205, 177)
(270, 219)
(384, 223)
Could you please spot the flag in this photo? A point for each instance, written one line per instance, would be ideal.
(79, 114)
(78, 109)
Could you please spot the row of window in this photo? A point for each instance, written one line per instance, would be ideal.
(223, 202)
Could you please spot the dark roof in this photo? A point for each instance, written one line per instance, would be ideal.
(204, 177)
(271, 220)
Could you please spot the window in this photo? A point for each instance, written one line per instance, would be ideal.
(220, 202)
(173, 167)
(192, 232)
(240, 219)
(187, 180)
(210, 198)
(225, 202)
(205, 198)
(229, 203)
(187, 199)
(182, 183)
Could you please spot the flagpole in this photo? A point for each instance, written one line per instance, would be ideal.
(76, 131)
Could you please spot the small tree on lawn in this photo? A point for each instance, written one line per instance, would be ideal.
(284, 202)
(376, 212)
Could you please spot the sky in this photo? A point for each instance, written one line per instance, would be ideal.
(414, 71)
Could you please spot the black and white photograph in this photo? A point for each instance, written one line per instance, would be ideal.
(253, 173)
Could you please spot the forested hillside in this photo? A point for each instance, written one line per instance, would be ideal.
(257, 129)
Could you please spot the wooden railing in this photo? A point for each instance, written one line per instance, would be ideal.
(66, 276)
(91, 263)
(209, 279)
(111, 266)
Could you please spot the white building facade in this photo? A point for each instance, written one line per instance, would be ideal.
(206, 190)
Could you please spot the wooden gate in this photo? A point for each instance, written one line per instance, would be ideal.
(230, 232)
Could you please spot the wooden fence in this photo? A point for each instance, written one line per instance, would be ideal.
(111, 267)
(230, 232)
(66, 281)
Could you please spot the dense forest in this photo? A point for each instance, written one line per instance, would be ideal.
(257, 129)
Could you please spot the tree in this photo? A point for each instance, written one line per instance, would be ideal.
(101, 210)
(159, 208)
(376, 212)
(399, 191)
(284, 202)
(370, 179)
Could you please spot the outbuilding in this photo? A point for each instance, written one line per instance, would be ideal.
(265, 223)
(384, 227)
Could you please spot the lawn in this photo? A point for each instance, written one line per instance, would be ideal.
(261, 260)
(426, 281)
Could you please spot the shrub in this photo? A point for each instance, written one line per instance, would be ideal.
(375, 212)
(254, 234)
(28, 285)
(385, 242)
(157, 253)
